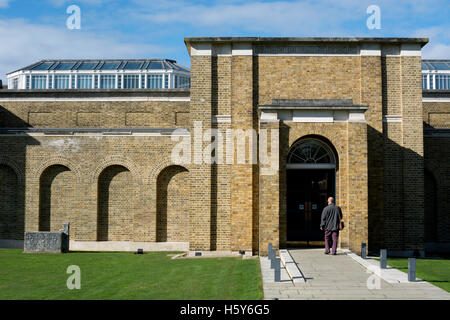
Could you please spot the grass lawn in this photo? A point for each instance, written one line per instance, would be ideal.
(435, 271)
(124, 275)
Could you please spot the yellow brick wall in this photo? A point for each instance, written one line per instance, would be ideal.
(101, 184)
(436, 154)
(220, 206)
(79, 114)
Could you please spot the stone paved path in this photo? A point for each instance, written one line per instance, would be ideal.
(341, 277)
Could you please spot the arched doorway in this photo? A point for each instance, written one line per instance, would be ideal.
(172, 204)
(115, 191)
(311, 179)
(56, 194)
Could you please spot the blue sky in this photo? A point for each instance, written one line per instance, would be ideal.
(34, 30)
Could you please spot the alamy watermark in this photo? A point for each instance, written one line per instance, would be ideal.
(74, 281)
(374, 280)
(74, 20)
(227, 146)
(374, 20)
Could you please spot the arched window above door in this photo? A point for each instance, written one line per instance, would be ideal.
(311, 153)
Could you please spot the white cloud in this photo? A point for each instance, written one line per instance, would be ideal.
(302, 17)
(433, 32)
(436, 51)
(27, 43)
(169, 20)
(294, 18)
(439, 45)
(4, 3)
(59, 3)
(306, 18)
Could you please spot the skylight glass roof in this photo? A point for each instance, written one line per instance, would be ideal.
(174, 66)
(63, 66)
(180, 67)
(110, 65)
(436, 65)
(440, 66)
(133, 65)
(87, 65)
(155, 65)
(43, 66)
(116, 64)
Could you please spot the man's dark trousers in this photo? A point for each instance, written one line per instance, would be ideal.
(331, 239)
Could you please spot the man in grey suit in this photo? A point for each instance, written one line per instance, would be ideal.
(330, 222)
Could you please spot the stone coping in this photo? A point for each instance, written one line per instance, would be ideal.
(421, 41)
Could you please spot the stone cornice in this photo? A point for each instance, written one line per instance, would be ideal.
(312, 104)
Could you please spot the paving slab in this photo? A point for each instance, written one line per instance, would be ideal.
(268, 274)
(291, 267)
(340, 277)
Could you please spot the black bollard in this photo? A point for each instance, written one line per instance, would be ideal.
(272, 261)
(270, 251)
(277, 269)
(411, 269)
(383, 258)
(363, 250)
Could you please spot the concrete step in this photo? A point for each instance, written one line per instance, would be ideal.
(291, 267)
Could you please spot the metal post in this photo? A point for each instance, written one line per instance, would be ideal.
(271, 256)
(411, 269)
(65, 237)
(66, 228)
(277, 267)
(363, 250)
(383, 258)
(269, 251)
(272, 261)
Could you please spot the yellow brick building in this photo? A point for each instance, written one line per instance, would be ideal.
(342, 117)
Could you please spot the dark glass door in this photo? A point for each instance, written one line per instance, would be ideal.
(307, 194)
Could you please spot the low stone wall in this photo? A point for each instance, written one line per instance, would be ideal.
(47, 242)
(128, 246)
(44, 242)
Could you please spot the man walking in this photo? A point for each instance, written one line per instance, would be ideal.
(331, 223)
